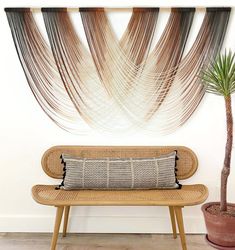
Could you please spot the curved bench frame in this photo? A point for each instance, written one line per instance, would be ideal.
(186, 165)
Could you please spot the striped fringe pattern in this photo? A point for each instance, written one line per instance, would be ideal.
(117, 84)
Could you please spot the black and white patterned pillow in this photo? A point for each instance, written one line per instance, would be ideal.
(120, 173)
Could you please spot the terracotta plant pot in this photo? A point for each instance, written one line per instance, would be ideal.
(221, 229)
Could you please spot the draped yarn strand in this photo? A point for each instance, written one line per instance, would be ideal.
(117, 85)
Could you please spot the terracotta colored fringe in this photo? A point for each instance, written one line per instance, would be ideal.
(116, 76)
(40, 68)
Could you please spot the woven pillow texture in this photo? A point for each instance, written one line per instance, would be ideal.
(120, 173)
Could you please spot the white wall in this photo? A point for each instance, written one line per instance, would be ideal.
(26, 132)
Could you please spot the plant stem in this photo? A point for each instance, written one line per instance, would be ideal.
(227, 159)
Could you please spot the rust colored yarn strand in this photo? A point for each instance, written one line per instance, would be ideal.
(186, 92)
(41, 70)
(69, 54)
(120, 89)
(117, 85)
(58, 24)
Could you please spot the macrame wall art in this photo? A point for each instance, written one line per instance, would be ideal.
(116, 85)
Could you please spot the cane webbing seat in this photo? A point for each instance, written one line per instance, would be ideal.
(188, 195)
(175, 199)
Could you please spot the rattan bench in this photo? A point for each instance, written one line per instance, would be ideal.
(176, 199)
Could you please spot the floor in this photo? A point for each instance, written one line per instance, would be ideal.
(41, 241)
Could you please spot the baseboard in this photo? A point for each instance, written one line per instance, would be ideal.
(99, 224)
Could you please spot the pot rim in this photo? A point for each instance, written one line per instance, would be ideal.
(208, 214)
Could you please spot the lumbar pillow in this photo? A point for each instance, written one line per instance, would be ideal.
(120, 173)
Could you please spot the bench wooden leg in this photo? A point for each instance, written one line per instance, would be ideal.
(66, 217)
(179, 218)
(173, 224)
(59, 214)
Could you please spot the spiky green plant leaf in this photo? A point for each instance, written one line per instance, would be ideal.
(219, 77)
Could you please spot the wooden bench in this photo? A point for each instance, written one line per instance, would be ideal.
(176, 199)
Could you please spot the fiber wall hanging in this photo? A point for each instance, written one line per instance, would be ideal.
(116, 85)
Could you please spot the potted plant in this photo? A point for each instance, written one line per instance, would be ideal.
(219, 79)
